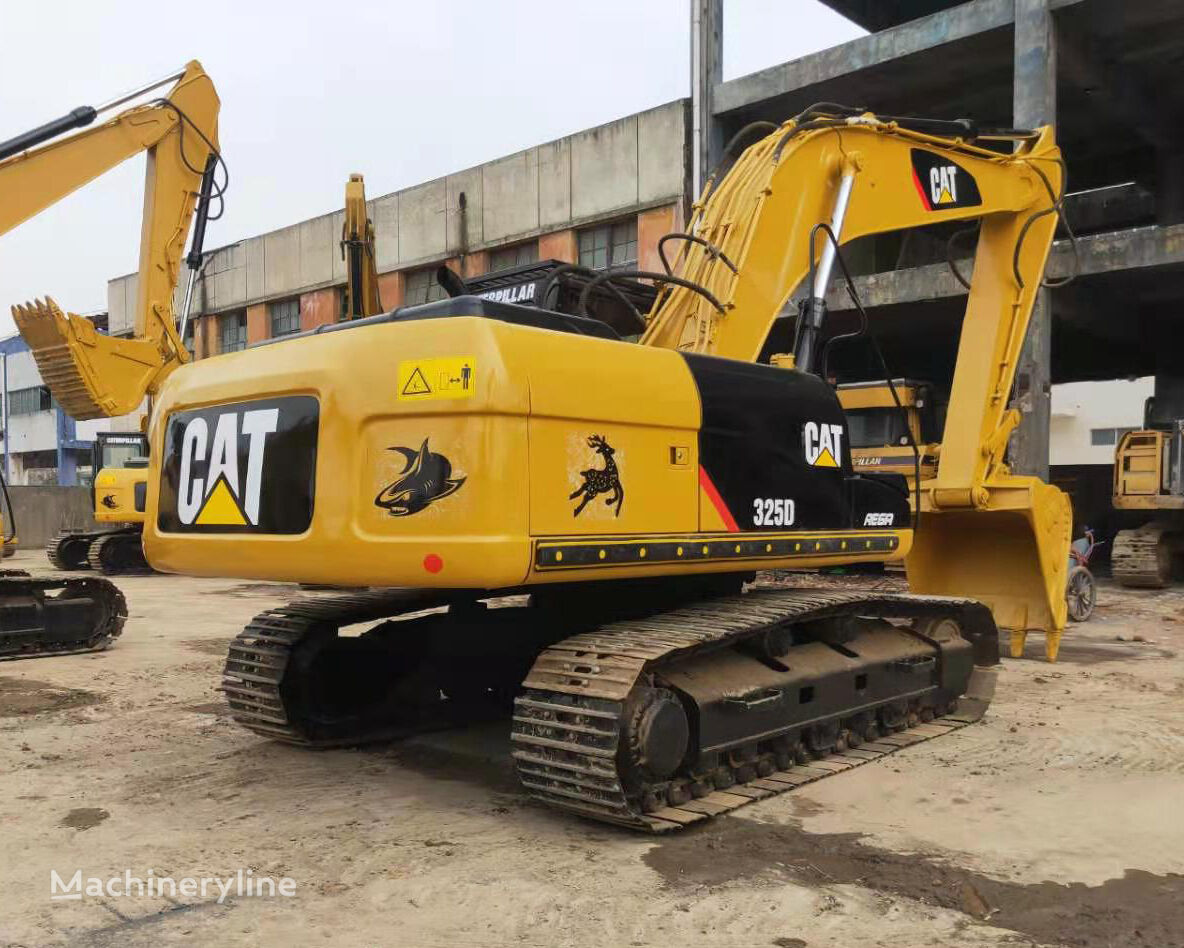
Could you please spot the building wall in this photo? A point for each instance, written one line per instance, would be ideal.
(1080, 407)
(618, 170)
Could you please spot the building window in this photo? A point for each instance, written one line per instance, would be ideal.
(611, 245)
(27, 401)
(422, 287)
(1101, 437)
(232, 332)
(285, 317)
(505, 257)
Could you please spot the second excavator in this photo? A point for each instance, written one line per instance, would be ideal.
(177, 133)
(119, 490)
(1149, 480)
(570, 520)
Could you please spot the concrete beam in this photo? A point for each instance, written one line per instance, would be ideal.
(917, 36)
(1133, 249)
(882, 14)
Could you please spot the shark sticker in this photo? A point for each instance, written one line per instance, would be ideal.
(426, 479)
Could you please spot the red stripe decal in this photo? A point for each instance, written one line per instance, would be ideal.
(921, 191)
(713, 495)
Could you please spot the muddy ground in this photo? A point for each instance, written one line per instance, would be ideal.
(1058, 820)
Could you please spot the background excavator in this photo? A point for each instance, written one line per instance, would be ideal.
(119, 491)
(895, 429)
(178, 134)
(120, 459)
(461, 452)
(1149, 479)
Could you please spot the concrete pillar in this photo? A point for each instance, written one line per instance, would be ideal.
(1034, 102)
(561, 245)
(652, 226)
(391, 290)
(258, 323)
(707, 59)
(205, 337)
(1169, 186)
(475, 264)
(319, 308)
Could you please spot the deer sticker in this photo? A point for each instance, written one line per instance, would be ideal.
(603, 480)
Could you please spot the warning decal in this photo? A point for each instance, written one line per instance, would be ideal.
(451, 377)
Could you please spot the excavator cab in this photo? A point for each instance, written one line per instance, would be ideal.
(1149, 479)
(119, 461)
(884, 434)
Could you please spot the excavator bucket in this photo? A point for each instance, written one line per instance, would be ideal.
(1011, 554)
(91, 375)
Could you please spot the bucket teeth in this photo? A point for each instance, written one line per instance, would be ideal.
(47, 330)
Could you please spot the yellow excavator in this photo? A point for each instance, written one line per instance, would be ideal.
(613, 500)
(894, 426)
(119, 491)
(178, 134)
(1149, 479)
(357, 250)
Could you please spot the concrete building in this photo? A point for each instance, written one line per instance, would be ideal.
(600, 196)
(1104, 73)
(42, 445)
(1089, 418)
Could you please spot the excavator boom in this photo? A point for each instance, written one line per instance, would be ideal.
(90, 374)
(982, 531)
(357, 250)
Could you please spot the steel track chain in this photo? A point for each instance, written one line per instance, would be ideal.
(260, 655)
(568, 722)
(29, 640)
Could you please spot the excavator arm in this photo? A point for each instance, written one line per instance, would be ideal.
(92, 375)
(755, 239)
(357, 250)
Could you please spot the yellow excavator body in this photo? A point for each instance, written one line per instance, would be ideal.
(614, 498)
(115, 494)
(1149, 478)
(785, 184)
(456, 480)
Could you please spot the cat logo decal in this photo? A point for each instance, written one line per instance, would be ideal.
(247, 467)
(823, 444)
(941, 184)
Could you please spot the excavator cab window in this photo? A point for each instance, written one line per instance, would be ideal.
(875, 427)
(119, 450)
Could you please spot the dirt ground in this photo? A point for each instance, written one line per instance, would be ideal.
(1058, 820)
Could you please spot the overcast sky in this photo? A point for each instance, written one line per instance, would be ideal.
(400, 91)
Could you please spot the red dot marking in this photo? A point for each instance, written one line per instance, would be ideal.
(433, 563)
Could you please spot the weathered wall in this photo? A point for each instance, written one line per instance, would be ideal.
(616, 169)
(42, 511)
